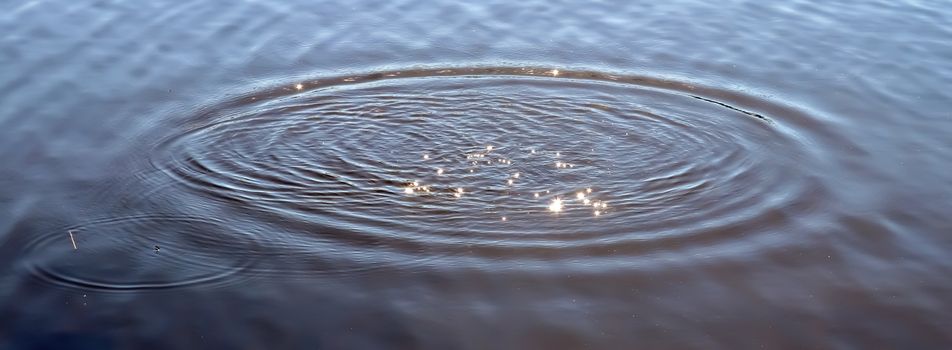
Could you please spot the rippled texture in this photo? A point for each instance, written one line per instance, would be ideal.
(498, 168)
(199, 251)
(500, 175)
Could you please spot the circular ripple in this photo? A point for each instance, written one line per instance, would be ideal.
(141, 253)
(486, 166)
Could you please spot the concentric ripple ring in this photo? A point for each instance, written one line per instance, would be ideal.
(141, 253)
(510, 168)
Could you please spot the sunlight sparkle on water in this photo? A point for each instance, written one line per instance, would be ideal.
(556, 205)
(556, 198)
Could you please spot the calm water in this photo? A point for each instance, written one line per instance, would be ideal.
(440, 175)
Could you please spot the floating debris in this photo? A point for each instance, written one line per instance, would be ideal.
(72, 239)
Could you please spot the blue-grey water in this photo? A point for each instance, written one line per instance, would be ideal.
(496, 175)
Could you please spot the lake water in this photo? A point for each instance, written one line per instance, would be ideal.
(498, 175)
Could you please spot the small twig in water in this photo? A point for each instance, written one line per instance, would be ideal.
(71, 239)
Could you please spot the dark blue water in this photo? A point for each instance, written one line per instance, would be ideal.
(532, 175)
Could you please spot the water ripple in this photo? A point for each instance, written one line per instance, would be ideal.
(496, 168)
(141, 253)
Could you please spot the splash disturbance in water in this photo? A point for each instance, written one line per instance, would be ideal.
(486, 168)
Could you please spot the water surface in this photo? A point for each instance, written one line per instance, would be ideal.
(549, 175)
